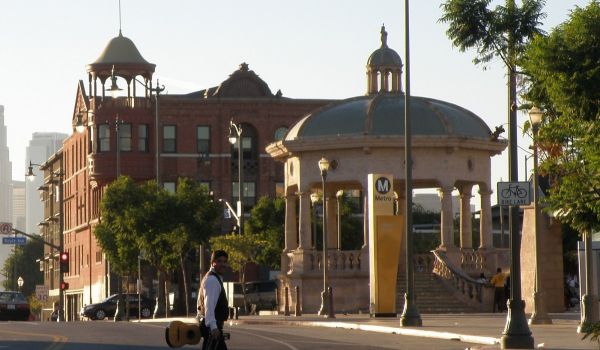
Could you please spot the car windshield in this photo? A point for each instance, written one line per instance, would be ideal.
(12, 297)
(110, 298)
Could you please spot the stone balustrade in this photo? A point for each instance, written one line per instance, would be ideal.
(475, 293)
(473, 262)
(338, 261)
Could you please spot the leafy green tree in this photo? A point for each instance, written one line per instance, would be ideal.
(267, 222)
(141, 217)
(242, 249)
(564, 74)
(26, 267)
(499, 33)
(114, 232)
(197, 216)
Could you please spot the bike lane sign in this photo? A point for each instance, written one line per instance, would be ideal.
(514, 193)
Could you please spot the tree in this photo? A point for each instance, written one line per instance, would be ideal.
(141, 217)
(26, 266)
(500, 33)
(242, 249)
(563, 70)
(267, 222)
(114, 232)
(197, 216)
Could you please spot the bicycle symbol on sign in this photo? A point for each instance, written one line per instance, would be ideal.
(514, 190)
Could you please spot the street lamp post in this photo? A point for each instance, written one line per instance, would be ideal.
(410, 315)
(539, 314)
(326, 307)
(516, 334)
(235, 135)
(31, 176)
(338, 196)
(118, 143)
(587, 301)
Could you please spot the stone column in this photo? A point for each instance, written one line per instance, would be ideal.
(485, 220)
(305, 222)
(332, 219)
(447, 219)
(365, 219)
(386, 82)
(291, 228)
(466, 229)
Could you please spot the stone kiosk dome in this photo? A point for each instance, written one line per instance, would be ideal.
(451, 147)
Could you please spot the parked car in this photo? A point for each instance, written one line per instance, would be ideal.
(261, 295)
(235, 294)
(108, 307)
(13, 306)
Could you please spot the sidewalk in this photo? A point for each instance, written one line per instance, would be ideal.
(483, 330)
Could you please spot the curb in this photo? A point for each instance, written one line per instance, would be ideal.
(474, 339)
(413, 332)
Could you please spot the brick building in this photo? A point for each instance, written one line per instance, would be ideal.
(192, 142)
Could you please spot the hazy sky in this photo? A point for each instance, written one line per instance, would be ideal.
(308, 49)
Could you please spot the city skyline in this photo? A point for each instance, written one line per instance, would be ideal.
(308, 50)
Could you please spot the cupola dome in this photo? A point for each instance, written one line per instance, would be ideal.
(383, 64)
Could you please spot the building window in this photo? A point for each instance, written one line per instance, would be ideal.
(125, 137)
(169, 139)
(203, 140)
(249, 189)
(103, 138)
(205, 185)
(280, 133)
(246, 148)
(169, 186)
(143, 138)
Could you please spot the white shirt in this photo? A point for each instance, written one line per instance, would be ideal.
(212, 290)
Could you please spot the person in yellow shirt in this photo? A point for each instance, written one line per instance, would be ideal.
(498, 281)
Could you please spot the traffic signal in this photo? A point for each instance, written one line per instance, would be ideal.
(64, 286)
(64, 262)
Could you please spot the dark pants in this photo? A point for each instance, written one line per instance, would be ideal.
(214, 344)
(498, 299)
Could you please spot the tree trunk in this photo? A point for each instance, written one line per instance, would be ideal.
(127, 298)
(159, 310)
(166, 291)
(185, 285)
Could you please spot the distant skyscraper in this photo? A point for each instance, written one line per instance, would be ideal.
(5, 174)
(18, 205)
(41, 146)
(5, 189)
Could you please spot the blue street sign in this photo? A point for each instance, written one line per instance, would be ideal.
(14, 240)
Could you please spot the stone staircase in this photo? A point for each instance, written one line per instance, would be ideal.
(431, 295)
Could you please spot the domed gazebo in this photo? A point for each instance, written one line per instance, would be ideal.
(452, 149)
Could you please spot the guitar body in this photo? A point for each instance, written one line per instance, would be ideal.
(178, 334)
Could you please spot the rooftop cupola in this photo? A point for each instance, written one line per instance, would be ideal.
(121, 58)
(384, 69)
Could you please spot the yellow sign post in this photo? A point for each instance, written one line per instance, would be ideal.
(385, 237)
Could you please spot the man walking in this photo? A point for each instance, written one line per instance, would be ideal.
(213, 308)
(498, 282)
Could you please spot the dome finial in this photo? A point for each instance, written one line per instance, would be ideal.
(383, 36)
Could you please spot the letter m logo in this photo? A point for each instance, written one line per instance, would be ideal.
(382, 185)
